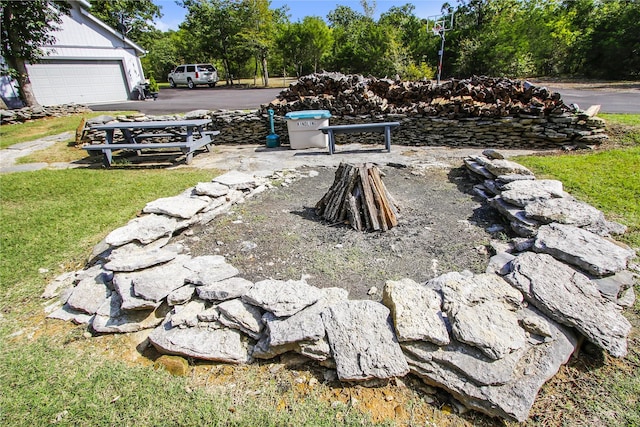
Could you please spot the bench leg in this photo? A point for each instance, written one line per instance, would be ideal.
(332, 142)
(387, 138)
(107, 158)
(189, 158)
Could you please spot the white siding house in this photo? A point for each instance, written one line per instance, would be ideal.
(90, 62)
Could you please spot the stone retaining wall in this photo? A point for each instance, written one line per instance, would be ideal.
(21, 115)
(523, 132)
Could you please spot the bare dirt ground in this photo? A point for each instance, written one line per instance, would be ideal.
(278, 234)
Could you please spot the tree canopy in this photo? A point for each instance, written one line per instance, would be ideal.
(245, 38)
(27, 27)
(514, 38)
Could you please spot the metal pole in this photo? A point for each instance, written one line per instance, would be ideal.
(441, 54)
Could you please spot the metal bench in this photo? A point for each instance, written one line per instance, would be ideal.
(383, 127)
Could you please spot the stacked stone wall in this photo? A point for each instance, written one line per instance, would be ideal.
(478, 112)
(573, 130)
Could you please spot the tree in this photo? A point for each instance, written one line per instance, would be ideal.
(614, 41)
(259, 31)
(27, 26)
(214, 27)
(132, 18)
(319, 38)
(163, 55)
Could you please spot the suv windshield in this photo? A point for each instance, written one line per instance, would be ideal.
(206, 67)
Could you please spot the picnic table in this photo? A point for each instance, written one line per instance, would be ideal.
(187, 135)
(383, 127)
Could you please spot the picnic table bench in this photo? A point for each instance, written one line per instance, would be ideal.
(181, 131)
(383, 127)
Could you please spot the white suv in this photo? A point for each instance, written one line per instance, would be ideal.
(193, 75)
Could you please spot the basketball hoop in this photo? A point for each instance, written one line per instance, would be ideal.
(440, 24)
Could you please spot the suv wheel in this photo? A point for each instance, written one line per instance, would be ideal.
(212, 85)
(191, 84)
(172, 83)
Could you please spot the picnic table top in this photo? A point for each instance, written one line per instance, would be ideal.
(157, 124)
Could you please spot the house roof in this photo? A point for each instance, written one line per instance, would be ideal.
(85, 5)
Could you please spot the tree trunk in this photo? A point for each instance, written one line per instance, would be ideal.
(255, 72)
(24, 83)
(227, 65)
(265, 71)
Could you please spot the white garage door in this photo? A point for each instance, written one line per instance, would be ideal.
(82, 82)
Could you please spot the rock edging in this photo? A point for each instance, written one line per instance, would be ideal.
(492, 340)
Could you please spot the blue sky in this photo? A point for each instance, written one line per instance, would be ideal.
(298, 9)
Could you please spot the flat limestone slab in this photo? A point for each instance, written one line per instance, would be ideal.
(222, 345)
(521, 193)
(569, 297)
(110, 318)
(416, 311)
(177, 206)
(231, 288)
(362, 341)
(92, 290)
(157, 282)
(282, 298)
(139, 259)
(209, 269)
(145, 230)
(565, 211)
(305, 325)
(123, 283)
(482, 311)
(237, 180)
(237, 314)
(505, 388)
(211, 189)
(588, 251)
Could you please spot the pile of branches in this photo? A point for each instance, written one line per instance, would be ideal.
(478, 96)
(359, 197)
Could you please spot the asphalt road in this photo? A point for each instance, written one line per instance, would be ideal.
(611, 101)
(181, 99)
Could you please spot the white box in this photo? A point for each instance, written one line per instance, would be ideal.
(303, 129)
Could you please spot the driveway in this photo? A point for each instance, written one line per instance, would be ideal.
(614, 98)
(182, 99)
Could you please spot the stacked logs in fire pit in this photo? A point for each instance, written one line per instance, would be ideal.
(358, 196)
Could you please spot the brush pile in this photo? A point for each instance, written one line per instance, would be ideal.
(478, 96)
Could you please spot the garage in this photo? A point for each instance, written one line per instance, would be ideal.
(78, 81)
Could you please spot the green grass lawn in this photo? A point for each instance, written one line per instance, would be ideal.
(52, 373)
(607, 179)
(29, 131)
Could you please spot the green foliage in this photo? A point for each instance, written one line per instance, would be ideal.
(153, 84)
(419, 71)
(304, 45)
(537, 37)
(27, 26)
(133, 18)
(514, 38)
